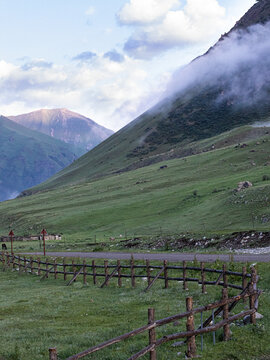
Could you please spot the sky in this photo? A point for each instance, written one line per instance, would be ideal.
(109, 60)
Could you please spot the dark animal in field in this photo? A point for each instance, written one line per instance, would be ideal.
(163, 167)
(4, 247)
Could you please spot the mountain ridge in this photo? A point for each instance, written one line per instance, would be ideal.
(65, 125)
(28, 157)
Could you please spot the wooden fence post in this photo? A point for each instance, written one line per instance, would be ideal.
(253, 304)
(191, 341)
(55, 268)
(225, 278)
(38, 260)
(73, 268)
(19, 262)
(94, 272)
(203, 278)
(152, 334)
(165, 263)
(31, 264)
(8, 259)
(13, 260)
(3, 257)
(185, 275)
(64, 269)
(24, 264)
(84, 272)
(52, 354)
(47, 269)
(106, 271)
(132, 271)
(119, 273)
(148, 272)
(226, 327)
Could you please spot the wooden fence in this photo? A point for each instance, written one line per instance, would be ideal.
(148, 272)
(225, 306)
(247, 285)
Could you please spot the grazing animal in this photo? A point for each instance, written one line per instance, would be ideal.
(4, 247)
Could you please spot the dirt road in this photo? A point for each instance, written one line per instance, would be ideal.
(174, 257)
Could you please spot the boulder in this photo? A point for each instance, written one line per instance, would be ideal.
(243, 185)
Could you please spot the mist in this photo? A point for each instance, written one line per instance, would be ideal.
(240, 62)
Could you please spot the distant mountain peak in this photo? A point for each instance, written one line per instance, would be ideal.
(65, 125)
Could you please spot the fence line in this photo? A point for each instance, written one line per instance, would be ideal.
(47, 267)
(191, 333)
(225, 305)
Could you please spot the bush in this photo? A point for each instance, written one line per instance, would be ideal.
(265, 177)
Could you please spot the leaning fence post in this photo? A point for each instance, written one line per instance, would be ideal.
(152, 334)
(165, 263)
(226, 327)
(132, 271)
(73, 268)
(203, 278)
(52, 354)
(185, 275)
(191, 340)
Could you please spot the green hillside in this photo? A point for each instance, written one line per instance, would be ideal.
(28, 157)
(217, 96)
(193, 194)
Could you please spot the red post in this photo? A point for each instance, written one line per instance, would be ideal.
(11, 234)
(44, 232)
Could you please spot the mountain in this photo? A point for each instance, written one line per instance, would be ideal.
(226, 88)
(175, 168)
(65, 125)
(28, 157)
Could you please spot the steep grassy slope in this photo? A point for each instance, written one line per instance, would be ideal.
(65, 125)
(28, 157)
(192, 194)
(226, 88)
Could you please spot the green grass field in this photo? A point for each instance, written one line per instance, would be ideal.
(194, 195)
(36, 315)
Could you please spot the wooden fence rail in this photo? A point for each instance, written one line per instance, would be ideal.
(248, 289)
(190, 334)
(152, 273)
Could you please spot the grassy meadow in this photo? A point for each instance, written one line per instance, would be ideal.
(192, 195)
(36, 315)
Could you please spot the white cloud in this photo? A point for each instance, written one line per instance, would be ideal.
(199, 21)
(141, 12)
(90, 11)
(108, 91)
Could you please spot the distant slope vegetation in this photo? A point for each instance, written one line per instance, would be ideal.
(28, 157)
(193, 194)
(224, 89)
(65, 125)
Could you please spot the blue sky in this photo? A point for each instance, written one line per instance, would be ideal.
(107, 59)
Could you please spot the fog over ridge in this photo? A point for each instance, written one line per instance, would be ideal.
(240, 53)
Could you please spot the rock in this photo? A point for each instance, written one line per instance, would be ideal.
(258, 316)
(244, 185)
